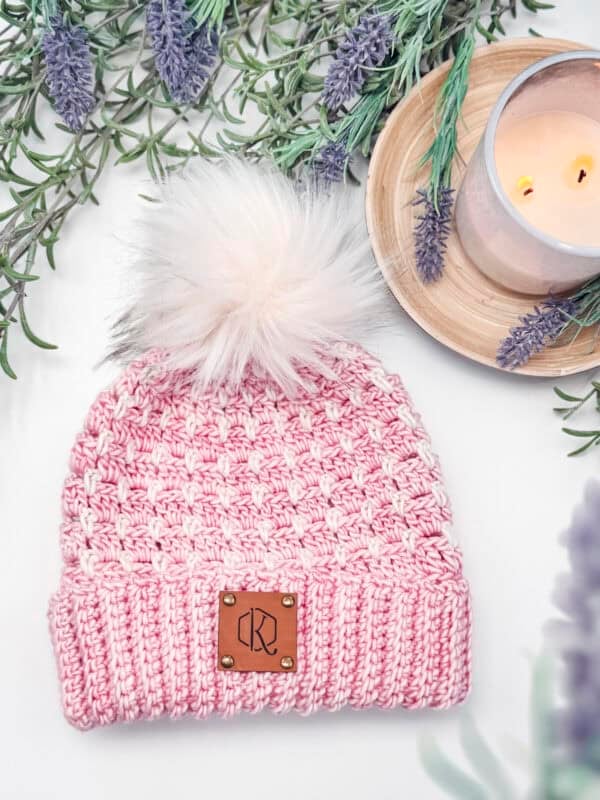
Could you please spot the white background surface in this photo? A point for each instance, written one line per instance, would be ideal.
(512, 487)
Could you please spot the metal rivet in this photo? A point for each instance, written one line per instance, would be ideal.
(227, 662)
(229, 599)
(288, 601)
(287, 662)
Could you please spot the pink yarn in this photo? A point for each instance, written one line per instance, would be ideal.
(175, 495)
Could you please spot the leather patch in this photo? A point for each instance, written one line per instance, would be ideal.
(257, 631)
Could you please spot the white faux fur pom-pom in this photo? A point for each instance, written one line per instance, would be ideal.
(237, 267)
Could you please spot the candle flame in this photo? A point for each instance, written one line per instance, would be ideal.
(525, 185)
(580, 170)
(583, 161)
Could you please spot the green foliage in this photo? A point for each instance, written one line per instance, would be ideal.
(213, 10)
(588, 315)
(443, 148)
(273, 57)
(492, 781)
(591, 438)
(484, 761)
(552, 776)
(588, 307)
(454, 781)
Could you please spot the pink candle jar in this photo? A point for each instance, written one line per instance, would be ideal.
(528, 209)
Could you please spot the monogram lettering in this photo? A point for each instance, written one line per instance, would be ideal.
(257, 629)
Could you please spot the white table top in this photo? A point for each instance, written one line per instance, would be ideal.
(512, 487)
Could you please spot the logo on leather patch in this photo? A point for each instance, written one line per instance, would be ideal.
(257, 631)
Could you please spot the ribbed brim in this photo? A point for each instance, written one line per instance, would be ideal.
(142, 643)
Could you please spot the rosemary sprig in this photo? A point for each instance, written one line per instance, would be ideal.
(587, 314)
(432, 226)
(587, 301)
(213, 10)
(576, 404)
(443, 148)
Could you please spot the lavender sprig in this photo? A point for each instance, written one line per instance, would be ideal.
(68, 71)
(166, 25)
(364, 47)
(433, 225)
(183, 54)
(577, 637)
(537, 330)
(566, 735)
(201, 52)
(329, 165)
(431, 233)
(545, 324)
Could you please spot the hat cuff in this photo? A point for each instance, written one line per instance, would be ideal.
(140, 643)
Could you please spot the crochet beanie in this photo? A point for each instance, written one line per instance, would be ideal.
(253, 516)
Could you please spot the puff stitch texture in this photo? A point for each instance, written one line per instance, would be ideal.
(175, 494)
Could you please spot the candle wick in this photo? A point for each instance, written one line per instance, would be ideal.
(582, 175)
(528, 191)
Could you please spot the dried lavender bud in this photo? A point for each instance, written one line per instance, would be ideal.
(364, 47)
(536, 331)
(577, 636)
(431, 233)
(329, 165)
(201, 52)
(167, 26)
(183, 55)
(68, 71)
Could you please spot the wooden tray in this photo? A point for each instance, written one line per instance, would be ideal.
(464, 310)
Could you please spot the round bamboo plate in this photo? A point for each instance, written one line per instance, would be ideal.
(464, 310)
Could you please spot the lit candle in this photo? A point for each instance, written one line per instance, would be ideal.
(549, 167)
(528, 211)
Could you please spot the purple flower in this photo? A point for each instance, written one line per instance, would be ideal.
(203, 46)
(329, 164)
(68, 71)
(537, 330)
(431, 233)
(184, 55)
(365, 46)
(577, 636)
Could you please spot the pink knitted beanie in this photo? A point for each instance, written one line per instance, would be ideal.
(231, 545)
